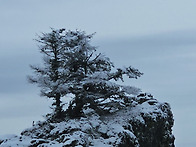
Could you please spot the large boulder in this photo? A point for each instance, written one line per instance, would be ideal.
(145, 123)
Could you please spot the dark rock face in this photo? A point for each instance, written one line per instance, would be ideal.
(146, 123)
(155, 131)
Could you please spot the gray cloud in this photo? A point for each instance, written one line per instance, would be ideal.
(169, 39)
(143, 34)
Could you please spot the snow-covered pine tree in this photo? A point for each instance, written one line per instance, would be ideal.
(72, 66)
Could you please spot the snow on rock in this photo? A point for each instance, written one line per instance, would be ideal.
(147, 123)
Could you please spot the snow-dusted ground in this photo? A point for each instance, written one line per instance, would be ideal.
(117, 129)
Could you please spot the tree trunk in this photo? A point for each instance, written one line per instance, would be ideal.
(58, 109)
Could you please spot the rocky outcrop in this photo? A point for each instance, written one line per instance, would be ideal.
(146, 123)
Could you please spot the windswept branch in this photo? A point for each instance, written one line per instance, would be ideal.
(129, 71)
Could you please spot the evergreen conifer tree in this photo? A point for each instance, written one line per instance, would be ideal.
(72, 66)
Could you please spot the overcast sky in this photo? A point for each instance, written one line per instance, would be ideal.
(156, 36)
